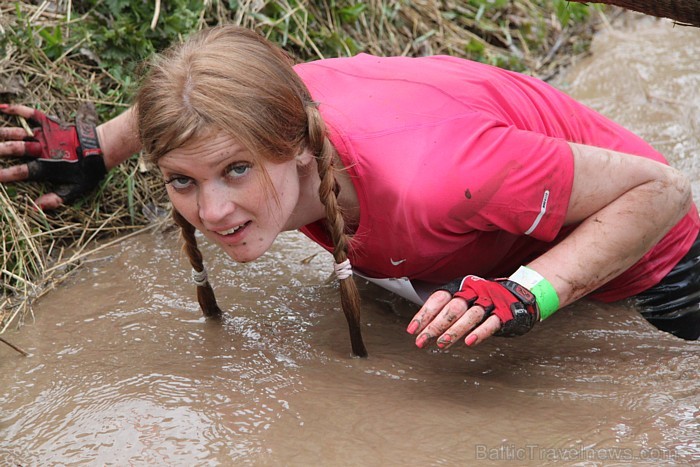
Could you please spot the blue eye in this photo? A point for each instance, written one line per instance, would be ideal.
(179, 183)
(238, 169)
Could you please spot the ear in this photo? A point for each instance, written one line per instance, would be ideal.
(304, 158)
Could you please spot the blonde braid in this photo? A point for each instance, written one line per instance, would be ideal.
(205, 293)
(322, 148)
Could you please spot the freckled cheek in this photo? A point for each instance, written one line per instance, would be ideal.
(188, 209)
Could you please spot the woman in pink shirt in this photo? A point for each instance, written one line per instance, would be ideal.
(497, 193)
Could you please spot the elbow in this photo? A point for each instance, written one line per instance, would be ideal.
(679, 191)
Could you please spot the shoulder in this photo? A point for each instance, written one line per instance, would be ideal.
(373, 76)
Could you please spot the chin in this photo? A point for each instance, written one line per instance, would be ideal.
(244, 255)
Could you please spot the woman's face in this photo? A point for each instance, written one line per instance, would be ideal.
(217, 185)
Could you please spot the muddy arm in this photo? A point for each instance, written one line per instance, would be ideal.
(622, 206)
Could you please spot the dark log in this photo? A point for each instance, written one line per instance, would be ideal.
(685, 12)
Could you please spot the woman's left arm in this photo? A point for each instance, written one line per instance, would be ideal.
(623, 206)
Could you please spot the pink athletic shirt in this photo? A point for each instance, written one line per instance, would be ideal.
(464, 168)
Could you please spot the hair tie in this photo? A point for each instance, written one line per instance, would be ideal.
(343, 270)
(199, 278)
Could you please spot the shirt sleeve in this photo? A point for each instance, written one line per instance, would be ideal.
(505, 178)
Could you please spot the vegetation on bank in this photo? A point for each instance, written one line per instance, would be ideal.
(66, 57)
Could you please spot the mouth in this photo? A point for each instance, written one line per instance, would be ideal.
(232, 230)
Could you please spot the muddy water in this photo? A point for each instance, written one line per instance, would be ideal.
(123, 371)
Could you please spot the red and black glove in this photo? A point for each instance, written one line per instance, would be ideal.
(514, 305)
(66, 155)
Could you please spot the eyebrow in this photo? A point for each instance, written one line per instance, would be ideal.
(225, 158)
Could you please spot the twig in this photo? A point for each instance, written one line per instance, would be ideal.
(156, 14)
(26, 127)
(308, 259)
(14, 347)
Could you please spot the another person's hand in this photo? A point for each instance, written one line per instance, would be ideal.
(477, 308)
(68, 156)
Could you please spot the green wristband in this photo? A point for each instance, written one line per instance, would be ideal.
(545, 295)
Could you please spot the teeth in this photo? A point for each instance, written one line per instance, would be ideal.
(230, 231)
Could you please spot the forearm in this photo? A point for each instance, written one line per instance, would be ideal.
(119, 138)
(611, 240)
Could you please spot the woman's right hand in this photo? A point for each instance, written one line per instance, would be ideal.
(68, 156)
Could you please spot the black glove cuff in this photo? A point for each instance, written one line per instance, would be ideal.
(87, 137)
(525, 313)
(520, 292)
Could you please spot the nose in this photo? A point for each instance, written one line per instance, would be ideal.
(214, 205)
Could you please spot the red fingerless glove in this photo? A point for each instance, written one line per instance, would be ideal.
(514, 305)
(67, 155)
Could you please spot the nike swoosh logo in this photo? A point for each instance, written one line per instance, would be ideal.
(396, 263)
